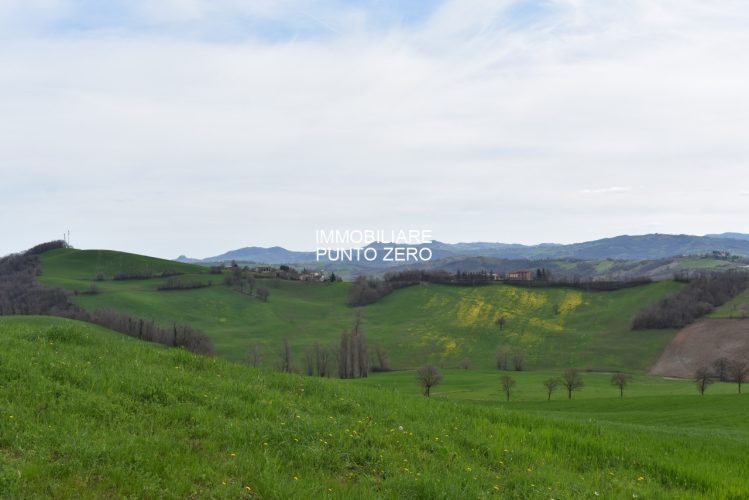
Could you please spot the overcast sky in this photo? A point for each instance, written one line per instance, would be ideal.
(198, 126)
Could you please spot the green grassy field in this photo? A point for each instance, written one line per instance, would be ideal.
(89, 412)
(440, 324)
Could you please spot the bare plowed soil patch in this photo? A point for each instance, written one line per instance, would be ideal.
(702, 343)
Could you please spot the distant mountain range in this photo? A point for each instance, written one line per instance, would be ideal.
(733, 236)
(642, 247)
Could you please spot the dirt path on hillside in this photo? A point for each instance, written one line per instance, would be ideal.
(702, 343)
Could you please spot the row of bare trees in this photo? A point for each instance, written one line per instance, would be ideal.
(507, 358)
(175, 335)
(351, 356)
(723, 370)
(571, 380)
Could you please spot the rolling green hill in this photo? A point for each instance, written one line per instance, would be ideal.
(69, 268)
(555, 327)
(89, 412)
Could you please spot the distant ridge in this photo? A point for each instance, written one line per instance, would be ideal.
(625, 247)
(732, 236)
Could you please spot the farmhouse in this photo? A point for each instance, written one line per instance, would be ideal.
(522, 275)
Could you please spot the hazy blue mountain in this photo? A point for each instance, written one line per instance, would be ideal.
(272, 255)
(651, 246)
(732, 236)
(642, 247)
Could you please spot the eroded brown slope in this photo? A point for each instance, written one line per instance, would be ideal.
(701, 343)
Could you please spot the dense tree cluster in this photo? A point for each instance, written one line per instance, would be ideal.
(703, 294)
(46, 247)
(20, 293)
(367, 290)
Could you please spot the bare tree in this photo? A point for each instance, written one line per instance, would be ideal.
(353, 360)
(620, 380)
(702, 378)
(502, 357)
(572, 381)
(254, 354)
(551, 385)
(323, 357)
(507, 385)
(721, 366)
(501, 321)
(383, 360)
(309, 361)
(739, 371)
(428, 376)
(263, 294)
(284, 357)
(518, 360)
(465, 364)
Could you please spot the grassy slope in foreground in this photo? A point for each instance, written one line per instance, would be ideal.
(442, 324)
(88, 411)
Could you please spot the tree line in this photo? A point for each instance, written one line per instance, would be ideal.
(176, 335)
(175, 284)
(368, 290)
(429, 376)
(702, 295)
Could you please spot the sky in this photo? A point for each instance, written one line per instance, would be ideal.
(169, 127)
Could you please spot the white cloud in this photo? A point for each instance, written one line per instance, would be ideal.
(260, 141)
(608, 190)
